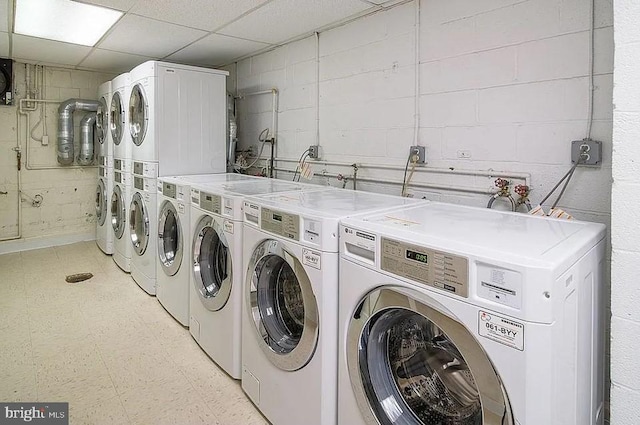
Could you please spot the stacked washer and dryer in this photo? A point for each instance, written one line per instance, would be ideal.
(177, 124)
(104, 229)
(289, 322)
(121, 196)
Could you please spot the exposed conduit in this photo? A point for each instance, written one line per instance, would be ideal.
(85, 157)
(65, 126)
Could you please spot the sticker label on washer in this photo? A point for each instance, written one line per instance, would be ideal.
(228, 226)
(311, 258)
(501, 329)
(180, 208)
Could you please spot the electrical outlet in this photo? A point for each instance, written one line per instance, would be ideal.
(420, 151)
(590, 150)
(314, 152)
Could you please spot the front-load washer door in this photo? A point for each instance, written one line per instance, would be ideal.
(118, 212)
(101, 202)
(139, 224)
(282, 306)
(102, 121)
(212, 276)
(116, 121)
(169, 239)
(138, 114)
(410, 363)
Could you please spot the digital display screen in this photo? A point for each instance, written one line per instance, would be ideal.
(417, 256)
(208, 198)
(277, 217)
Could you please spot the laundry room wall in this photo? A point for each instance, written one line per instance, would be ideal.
(625, 286)
(67, 210)
(503, 91)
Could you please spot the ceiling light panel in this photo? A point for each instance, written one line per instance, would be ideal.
(64, 20)
(148, 37)
(202, 14)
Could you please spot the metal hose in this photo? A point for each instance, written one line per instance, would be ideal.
(65, 126)
(85, 157)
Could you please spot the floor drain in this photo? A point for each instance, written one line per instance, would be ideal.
(80, 277)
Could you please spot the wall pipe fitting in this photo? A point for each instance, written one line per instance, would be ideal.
(85, 157)
(65, 126)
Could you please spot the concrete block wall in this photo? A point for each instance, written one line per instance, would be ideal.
(625, 208)
(503, 83)
(68, 206)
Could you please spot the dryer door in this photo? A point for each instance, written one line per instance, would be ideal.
(169, 239)
(282, 306)
(118, 212)
(139, 224)
(211, 264)
(410, 363)
(138, 114)
(101, 202)
(102, 121)
(116, 119)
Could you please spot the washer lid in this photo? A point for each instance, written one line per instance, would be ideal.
(116, 118)
(170, 244)
(412, 363)
(101, 202)
(138, 114)
(139, 224)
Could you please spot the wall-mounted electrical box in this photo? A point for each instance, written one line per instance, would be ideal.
(6, 82)
(588, 151)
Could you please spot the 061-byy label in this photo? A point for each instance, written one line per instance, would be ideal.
(501, 329)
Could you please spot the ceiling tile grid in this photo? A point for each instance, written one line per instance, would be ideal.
(108, 60)
(216, 50)
(32, 49)
(202, 14)
(148, 37)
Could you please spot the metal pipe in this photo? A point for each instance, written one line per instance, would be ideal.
(397, 183)
(85, 157)
(482, 173)
(65, 126)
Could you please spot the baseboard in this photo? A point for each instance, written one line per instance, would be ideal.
(28, 244)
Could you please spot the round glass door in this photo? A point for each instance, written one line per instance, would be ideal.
(412, 364)
(170, 239)
(102, 120)
(138, 224)
(282, 306)
(101, 203)
(118, 212)
(116, 121)
(211, 264)
(138, 114)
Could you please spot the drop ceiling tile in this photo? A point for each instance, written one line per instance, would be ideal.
(215, 50)
(203, 14)
(282, 20)
(4, 13)
(34, 49)
(123, 5)
(4, 44)
(106, 60)
(148, 37)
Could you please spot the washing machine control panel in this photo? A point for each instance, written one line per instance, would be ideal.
(209, 202)
(169, 190)
(433, 268)
(280, 223)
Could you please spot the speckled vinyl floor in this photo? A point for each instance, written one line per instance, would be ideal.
(104, 346)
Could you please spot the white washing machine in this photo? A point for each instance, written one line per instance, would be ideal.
(121, 197)
(178, 118)
(143, 228)
(174, 239)
(289, 327)
(458, 315)
(120, 200)
(215, 300)
(104, 229)
(104, 154)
